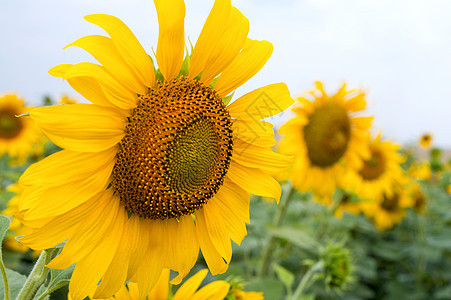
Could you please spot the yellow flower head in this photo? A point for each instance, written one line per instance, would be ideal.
(67, 100)
(391, 208)
(378, 173)
(325, 135)
(425, 140)
(17, 135)
(159, 165)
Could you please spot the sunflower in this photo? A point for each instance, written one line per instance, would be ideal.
(326, 138)
(17, 135)
(67, 100)
(349, 203)
(378, 173)
(420, 171)
(158, 166)
(425, 141)
(214, 290)
(415, 199)
(390, 210)
(15, 228)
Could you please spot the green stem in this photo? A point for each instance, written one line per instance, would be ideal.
(5, 279)
(266, 260)
(37, 276)
(306, 280)
(51, 290)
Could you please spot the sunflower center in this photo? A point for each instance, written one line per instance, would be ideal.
(176, 150)
(327, 134)
(391, 203)
(10, 125)
(374, 167)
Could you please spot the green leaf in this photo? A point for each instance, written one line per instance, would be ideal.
(57, 276)
(285, 276)
(226, 100)
(297, 237)
(16, 282)
(271, 287)
(4, 225)
(184, 71)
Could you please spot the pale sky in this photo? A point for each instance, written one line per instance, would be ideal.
(399, 52)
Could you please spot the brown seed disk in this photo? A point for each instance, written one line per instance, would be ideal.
(176, 150)
(327, 134)
(391, 203)
(374, 167)
(10, 125)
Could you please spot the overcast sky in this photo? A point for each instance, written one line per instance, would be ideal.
(397, 51)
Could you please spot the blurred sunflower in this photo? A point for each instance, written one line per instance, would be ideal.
(378, 173)
(425, 141)
(67, 100)
(415, 198)
(420, 171)
(349, 203)
(325, 138)
(161, 291)
(17, 135)
(16, 228)
(390, 210)
(158, 166)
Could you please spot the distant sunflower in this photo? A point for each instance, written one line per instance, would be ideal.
(378, 173)
(16, 228)
(17, 135)
(67, 100)
(349, 203)
(425, 140)
(214, 290)
(420, 171)
(326, 138)
(415, 198)
(389, 211)
(158, 166)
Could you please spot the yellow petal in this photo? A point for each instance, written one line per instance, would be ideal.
(161, 289)
(209, 36)
(116, 275)
(51, 235)
(171, 37)
(228, 46)
(104, 50)
(246, 64)
(261, 103)
(118, 94)
(80, 127)
(90, 270)
(57, 200)
(262, 158)
(214, 290)
(217, 229)
(185, 247)
(95, 228)
(187, 290)
(66, 166)
(212, 257)
(127, 45)
(86, 86)
(254, 181)
(254, 132)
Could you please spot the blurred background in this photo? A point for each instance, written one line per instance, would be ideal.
(397, 51)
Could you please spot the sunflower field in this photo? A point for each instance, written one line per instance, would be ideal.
(156, 182)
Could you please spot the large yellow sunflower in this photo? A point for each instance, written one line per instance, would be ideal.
(158, 166)
(17, 135)
(326, 138)
(377, 175)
